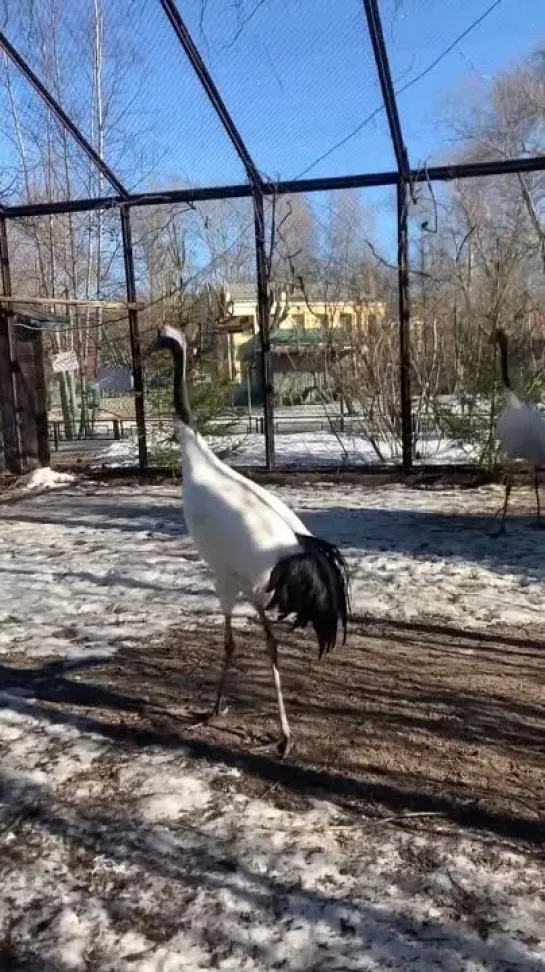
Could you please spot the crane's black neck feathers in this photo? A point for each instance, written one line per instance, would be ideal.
(182, 408)
(177, 348)
(313, 585)
(501, 338)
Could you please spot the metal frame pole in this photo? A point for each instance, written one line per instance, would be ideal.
(404, 323)
(264, 330)
(194, 57)
(61, 115)
(11, 420)
(376, 34)
(97, 160)
(136, 351)
(258, 192)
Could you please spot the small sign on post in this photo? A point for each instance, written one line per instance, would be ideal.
(65, 361)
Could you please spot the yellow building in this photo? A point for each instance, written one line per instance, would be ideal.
(298, 322)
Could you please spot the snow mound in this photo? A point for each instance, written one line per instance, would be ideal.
(47, 478)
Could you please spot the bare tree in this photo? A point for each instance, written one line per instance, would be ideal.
(73, 256)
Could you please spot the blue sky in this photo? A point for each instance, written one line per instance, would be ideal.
(301, 76)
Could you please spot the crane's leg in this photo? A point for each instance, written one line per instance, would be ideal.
(228, 651)
(508, 488)
(284, 744)
(220, 709)
(540, 522)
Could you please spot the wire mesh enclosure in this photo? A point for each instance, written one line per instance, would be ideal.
(339, 204)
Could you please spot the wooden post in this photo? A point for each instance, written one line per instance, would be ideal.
(40, 398)
(31, 397)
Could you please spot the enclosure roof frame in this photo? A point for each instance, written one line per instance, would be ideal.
(62, 117)
(212, 91)
(190, 195)
(165, 197)
(376, 34)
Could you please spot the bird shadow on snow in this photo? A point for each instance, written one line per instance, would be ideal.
(110, 579)
(417, 533)
(73, 512)
(208, 865)
(428, 534)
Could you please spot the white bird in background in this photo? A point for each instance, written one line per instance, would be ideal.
(520, 429)
(254, 545)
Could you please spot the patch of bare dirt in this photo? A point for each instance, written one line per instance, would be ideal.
(414, 719)
(8, 484)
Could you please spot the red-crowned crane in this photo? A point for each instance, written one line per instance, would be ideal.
(520, 429)
(254, 545)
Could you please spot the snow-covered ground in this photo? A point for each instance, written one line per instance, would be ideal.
(110, 564)
(117, 858)
(326, 449)
(321, 449)
(135, 861)
(47, 478)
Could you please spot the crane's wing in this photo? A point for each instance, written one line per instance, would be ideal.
(268, 499)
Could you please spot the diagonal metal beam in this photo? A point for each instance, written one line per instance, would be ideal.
(61, 116)
(258, 193)
(376, 34)
(204, 76)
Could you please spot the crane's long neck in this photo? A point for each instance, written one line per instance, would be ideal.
(182, 408)
(504, 365)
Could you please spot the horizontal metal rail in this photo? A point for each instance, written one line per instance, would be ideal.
(437, 173)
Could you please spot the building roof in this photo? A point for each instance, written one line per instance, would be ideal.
(317, 292)
(286, 339)
(322, 292)
(40, 321)
(241, 290)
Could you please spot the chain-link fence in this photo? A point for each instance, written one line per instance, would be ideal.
(362, 333)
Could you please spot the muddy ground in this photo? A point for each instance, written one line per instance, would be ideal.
(413, 722)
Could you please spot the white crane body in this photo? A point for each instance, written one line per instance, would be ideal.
(239, 529)
(254, 544)
(521, 431)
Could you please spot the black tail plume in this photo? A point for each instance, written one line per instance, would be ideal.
(313, 585)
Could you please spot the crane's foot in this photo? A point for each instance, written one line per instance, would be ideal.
(500, 532)
(282, 747)
(208, 718)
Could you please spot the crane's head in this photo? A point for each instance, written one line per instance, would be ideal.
(499, 337)
(169, 339)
